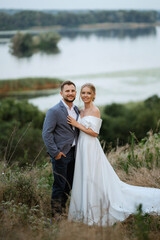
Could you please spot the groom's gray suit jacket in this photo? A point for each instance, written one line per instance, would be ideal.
(57, 134)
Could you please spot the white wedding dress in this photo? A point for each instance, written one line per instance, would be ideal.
(98, 195)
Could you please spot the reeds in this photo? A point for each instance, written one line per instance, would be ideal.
(24, 84)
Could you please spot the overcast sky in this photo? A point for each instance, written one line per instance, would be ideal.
(81, 4)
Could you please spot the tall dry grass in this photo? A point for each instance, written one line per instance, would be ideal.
(138, 163)
(25, 199)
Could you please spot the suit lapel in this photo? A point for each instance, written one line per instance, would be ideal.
(77, 112)
(64, 109)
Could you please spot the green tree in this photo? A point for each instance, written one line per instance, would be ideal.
(20, 128)
(119, 121)
(22, 44)
(47, 41)
(26, 44)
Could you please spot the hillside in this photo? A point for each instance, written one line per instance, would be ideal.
(26, 173)
(25, 198)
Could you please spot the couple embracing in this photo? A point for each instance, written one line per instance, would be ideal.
(79, 163)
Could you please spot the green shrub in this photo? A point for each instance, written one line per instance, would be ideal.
(20, 189)
(21, 127)
(119, 121)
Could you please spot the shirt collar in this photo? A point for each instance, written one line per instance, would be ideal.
(67, 105)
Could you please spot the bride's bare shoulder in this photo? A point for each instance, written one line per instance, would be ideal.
(96, 112)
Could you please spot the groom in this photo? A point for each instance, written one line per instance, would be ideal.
(60, 139)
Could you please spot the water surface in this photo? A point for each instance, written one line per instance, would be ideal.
(95, 57)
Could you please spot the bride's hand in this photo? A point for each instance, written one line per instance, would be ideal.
(72, 121)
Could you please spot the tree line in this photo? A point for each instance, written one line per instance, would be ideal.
(27, 19)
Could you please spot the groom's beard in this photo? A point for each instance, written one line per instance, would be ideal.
(67, 100)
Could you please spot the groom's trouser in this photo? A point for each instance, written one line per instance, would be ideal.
(63, 170)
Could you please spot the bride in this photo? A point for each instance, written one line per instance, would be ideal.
(98, 195)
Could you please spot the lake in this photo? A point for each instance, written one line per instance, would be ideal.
(124, 65)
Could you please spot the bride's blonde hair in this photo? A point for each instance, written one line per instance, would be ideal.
(92, 87)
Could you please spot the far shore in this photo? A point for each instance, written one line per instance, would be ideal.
(84, 27)
(127, 25)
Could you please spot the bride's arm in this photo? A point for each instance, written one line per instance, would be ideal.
(76, 124)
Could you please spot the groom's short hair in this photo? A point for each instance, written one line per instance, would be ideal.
(67, 83)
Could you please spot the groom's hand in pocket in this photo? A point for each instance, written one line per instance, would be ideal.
(60, 155)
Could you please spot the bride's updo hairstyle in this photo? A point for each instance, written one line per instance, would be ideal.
(92, 87)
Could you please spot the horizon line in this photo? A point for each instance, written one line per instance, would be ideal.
(80, 9)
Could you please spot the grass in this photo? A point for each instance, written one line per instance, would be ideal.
(25, 198)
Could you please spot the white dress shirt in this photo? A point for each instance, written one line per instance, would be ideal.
(72, 113)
